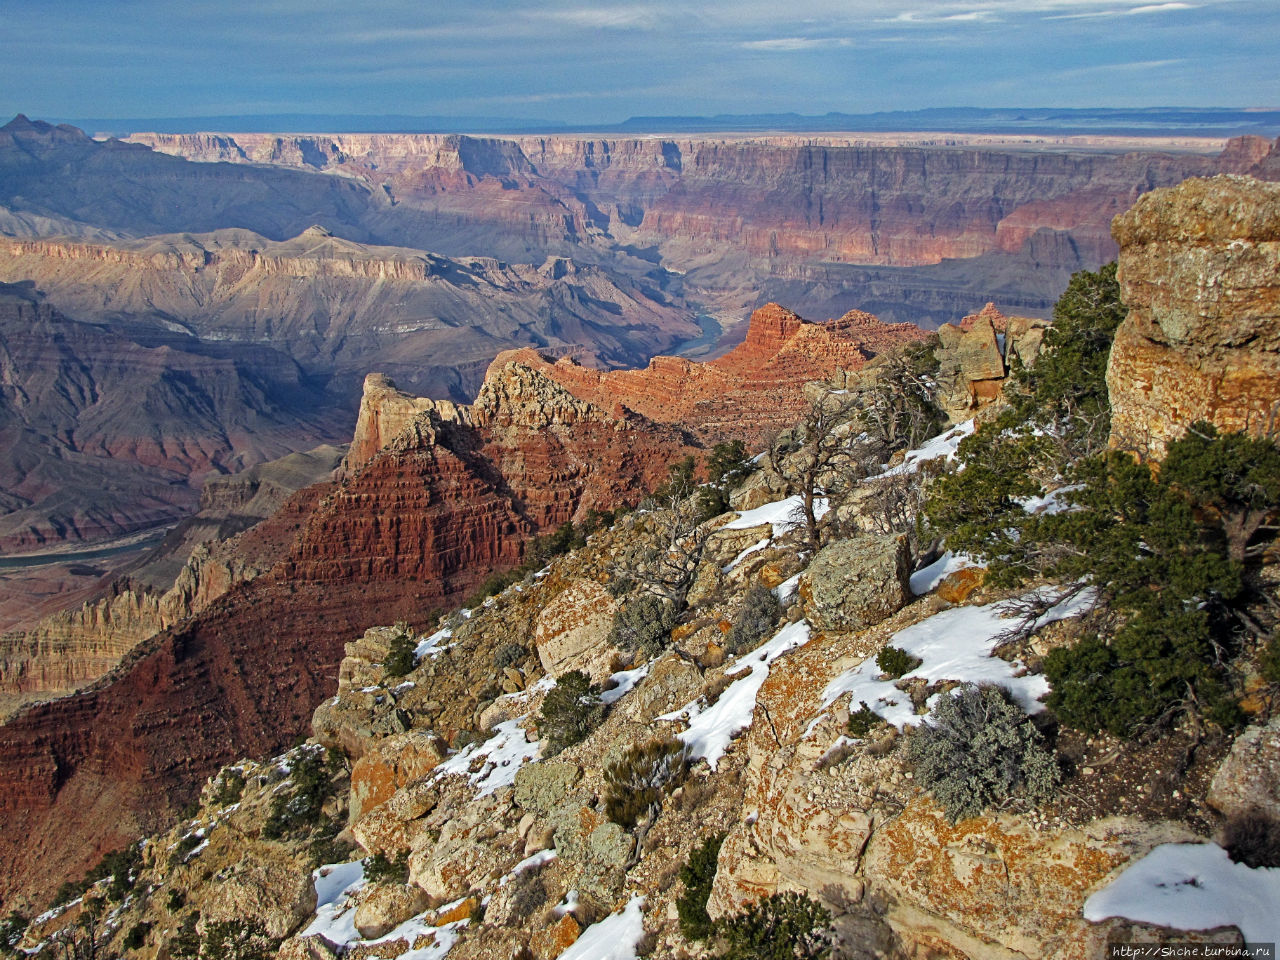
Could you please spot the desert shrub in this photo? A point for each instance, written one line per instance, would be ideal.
(528, 894)
(176, 900)
(643, 624)
(380, 867)
(594, 520)
(784, 926)
(230, 788)
(137, 935)
(185, 943)
(712, 501)
(401, 656)
(571, 710)
(120, 868)
(1252, 838)
(510, 655)
(697, 875)
(1269, 659)
(727, 463)
(635, 783)
(895, 662)
(237, 940)
(299, 809)
(863, 720)
(466, 737)
(329, 845)
(755, 620)
(978, 749)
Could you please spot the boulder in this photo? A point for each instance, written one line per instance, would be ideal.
(387, 906)
(853, 584)
(671, 683)
(268, 885)
(541, 787)
(1249, 777)
(389, 765)
(1199, 270)
(572, 633)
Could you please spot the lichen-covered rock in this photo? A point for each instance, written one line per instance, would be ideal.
(672, 682)
(389, 765)
(541, 787)
(306, 948)
(572, 633)
(474, 847)
(1200, 273)
(999, 886)
(269, 884)
(597, 848)
(853, 584)
(387, 906)
(1250, 775)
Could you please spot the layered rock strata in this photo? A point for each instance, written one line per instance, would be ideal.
(1200, 272)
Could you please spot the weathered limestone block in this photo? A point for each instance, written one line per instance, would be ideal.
(1250, 775)
(722, 549)
(541, 787)
(387, 906)
(997, 886)
(389, 828)
(268, 884)
(671, 683)
(391, 763)
(473, 849)
(572, 633)
(1200, 273)
(853, 584)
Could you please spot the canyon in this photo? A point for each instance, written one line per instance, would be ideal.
(431, 496)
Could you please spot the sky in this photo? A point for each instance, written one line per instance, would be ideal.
(581, 63)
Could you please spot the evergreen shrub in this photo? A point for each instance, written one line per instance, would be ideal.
(697, 875)
(784, 926)
(755, 620)
(895, 662)
(570, 711)
(635, 783)
(643, 623)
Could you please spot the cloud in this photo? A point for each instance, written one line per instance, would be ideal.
(1161, 7)
(791, 44)
(607, 18)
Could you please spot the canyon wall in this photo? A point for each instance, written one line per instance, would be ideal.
(1200, 272)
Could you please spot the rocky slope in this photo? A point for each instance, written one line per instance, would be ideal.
(434, 496)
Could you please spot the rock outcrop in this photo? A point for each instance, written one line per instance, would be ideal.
(1200, 273)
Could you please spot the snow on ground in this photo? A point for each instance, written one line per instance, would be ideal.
(943, 445)
(613, 938)
(955, 644)
(431, 645)
(1193, 886)
(744, 554)
(528, 863)
(1051, 502)
(783, 514)
(926, 578)
(787, 588)
(711, 728)
(504, 754)
(624, 683)
(336, 884)
(336, 887)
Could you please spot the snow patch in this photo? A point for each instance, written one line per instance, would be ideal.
(1193, 886)
(943, 445)
(430, 646)
(1052, 501)
(926, 578)
(613, 938)
(784, 515)
(787, 588)
(503, 754)
(955, 644)
(623, 683)
(336, 885)
(712, 728)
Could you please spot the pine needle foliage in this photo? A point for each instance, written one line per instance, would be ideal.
(784, 926)
(697, 875)
(635, 784)
(571, 710)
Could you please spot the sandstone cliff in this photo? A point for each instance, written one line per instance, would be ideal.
(1200, 273)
